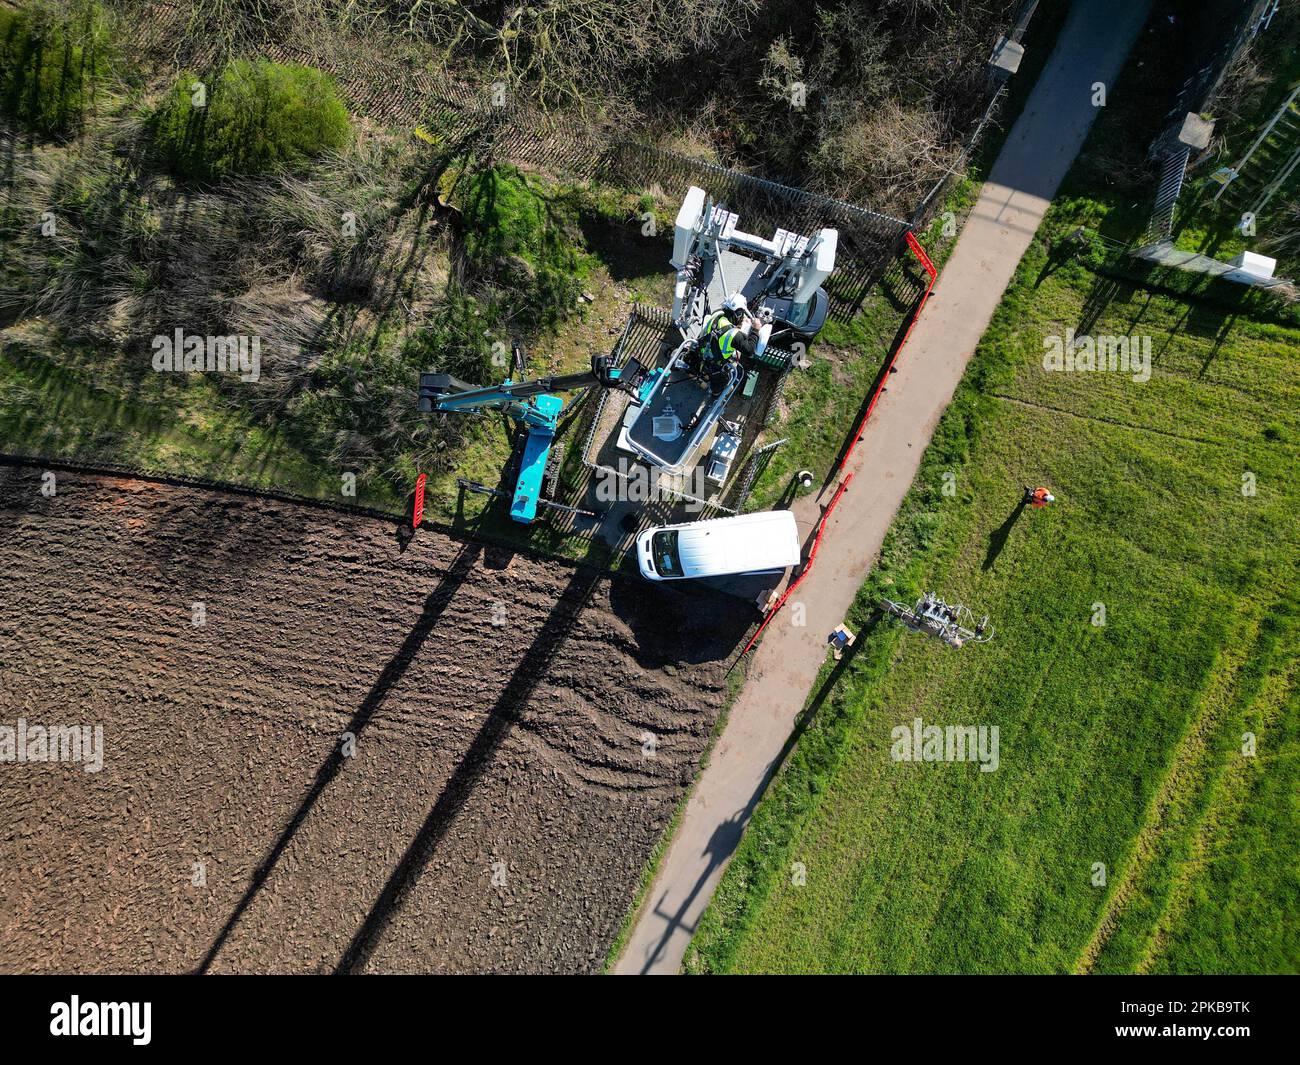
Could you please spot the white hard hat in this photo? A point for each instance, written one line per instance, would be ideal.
(736, 302)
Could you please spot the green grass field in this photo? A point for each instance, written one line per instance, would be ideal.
(1119, 743)
(1145, 811)
(63, 411)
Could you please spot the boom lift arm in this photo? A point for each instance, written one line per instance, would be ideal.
(443, 392)
(531, 404)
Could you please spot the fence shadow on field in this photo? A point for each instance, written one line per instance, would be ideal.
(1112, 298)
(1101, 295)
(435, 605)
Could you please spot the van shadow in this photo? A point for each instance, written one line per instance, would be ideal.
(674, 625)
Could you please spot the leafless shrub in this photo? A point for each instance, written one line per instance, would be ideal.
(886, 154)
(1238, 92)
(564, 49)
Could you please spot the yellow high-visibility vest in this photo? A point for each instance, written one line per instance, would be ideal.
(720, 338)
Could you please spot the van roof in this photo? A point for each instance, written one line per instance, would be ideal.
(746, 543)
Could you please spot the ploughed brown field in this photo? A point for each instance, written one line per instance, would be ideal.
(499, 802)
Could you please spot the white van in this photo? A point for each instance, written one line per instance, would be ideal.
(765, 542)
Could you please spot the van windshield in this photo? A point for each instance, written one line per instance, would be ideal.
(664, 548)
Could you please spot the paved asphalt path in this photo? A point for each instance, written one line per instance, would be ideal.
(1092, 47)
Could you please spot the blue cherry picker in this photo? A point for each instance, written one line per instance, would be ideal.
(531, 405)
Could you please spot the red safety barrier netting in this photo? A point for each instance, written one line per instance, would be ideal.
(417, 510)
(932, 274)
(807, 566)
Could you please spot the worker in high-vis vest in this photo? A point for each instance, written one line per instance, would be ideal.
(726, 336)
(1038, 498)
